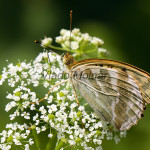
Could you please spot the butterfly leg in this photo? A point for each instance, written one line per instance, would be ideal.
(76, 98)
(75, 95)
(51, 90)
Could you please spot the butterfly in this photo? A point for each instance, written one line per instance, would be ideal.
(118, 92)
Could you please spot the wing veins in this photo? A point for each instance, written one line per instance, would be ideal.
(94, 67)
(111, 98)
(135, 96)
(124, 96)
(118, 78)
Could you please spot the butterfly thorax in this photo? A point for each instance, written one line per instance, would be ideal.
(69, 60)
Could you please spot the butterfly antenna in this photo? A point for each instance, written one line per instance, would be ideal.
(47, 50)
(37, 42)
(70, 26)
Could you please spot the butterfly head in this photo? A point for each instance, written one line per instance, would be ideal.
(69, 60)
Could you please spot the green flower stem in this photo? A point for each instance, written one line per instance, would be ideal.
(52, 141)
(92, 50)
(58, 48)
(36, 138)
(59, 145)
(62, 49)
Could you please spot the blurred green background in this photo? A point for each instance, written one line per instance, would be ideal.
(123, 25)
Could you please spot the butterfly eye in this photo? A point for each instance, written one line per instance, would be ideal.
(66, 61)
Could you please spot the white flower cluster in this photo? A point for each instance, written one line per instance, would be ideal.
(15, 134)
(78, 39)
(80, 43)
(58, 112)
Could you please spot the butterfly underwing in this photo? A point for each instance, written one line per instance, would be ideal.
(117, 92)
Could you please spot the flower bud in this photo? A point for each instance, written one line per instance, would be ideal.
(46, 42)
(51, 116)
(102, 52)
(78, 140)
(61, 94)
(97, 41)
(76, 32)
(10, 139)
(63, 31)
(33, 127)
(79, 114)
(98, 132)
(18, 93)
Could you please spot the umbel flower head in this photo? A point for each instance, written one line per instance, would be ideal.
(65, 124)
(79, 43)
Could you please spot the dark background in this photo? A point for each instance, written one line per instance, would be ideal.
(123, 25)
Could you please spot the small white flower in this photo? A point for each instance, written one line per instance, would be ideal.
(50, 98)
(102, 52)
(50, 135)
(27, 147)
(72, 142)
(43, 128)
(46, 42)
(38, 130)
(10, 105)
(74, 45)
(86, 37)
(26, 115)
(117, 139)
(59, 39)
(32, 107)
(81, 108)
(35, 117)
(52, 57)
(76, 32)
(43, 110)
(81, 135)
(71, 136)
(99, 142)
(37, 122)
(52, 124)
(24, 96)
(97, 41)
(123, 134)
(46, 84)
(73, 105)
(71, 97)
(63, 31)
(31, 141)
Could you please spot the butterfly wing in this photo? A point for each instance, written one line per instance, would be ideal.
(116, 91)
